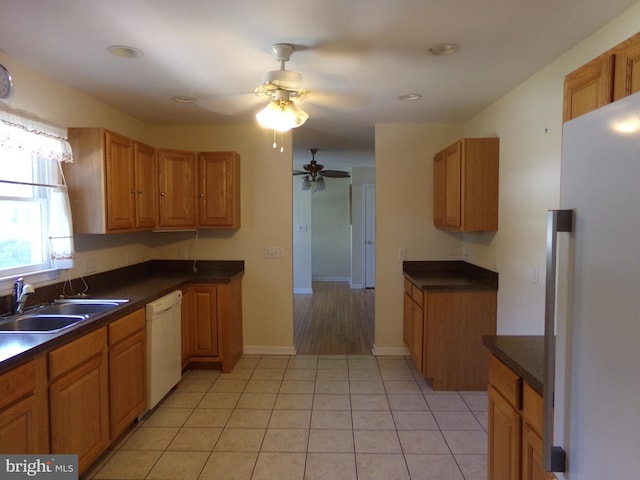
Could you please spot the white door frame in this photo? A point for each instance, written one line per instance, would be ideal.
(369, 235)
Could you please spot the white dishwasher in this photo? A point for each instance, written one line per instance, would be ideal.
(164, 357)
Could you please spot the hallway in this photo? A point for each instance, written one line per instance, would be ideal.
(335, 319)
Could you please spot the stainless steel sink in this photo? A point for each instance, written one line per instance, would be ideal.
(60, 314)
(77, 307)
(39, 322)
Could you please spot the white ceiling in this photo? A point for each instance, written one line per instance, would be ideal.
(365, 51)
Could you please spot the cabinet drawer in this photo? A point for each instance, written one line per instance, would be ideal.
(505, 381)
(407, 286)
(17, 382)
(74, 353)
(532, 409)
(126, 326)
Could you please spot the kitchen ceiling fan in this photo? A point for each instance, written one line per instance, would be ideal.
(283, 90)
(314, 174)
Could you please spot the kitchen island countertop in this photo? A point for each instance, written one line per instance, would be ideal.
(524, 354)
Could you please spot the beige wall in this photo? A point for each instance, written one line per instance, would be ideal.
(404, 217)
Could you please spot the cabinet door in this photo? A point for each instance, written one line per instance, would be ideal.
(119, 177)
(589, 87)
(127, 371)
(505, 430)
(79, 409)
(187, 325)
(146, 186)
(627, 68)
(439, 193)
(177, 203)
(417, 336)
(453, 192)
(532, 466)
(407, 320)
(24, 422)
(204, 320)
(219, 188)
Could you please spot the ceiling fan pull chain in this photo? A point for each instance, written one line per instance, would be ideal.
(274, 140)
(281, 142)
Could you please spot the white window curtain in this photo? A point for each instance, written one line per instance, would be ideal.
(46, 147)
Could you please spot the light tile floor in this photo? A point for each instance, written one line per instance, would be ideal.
(307, 417)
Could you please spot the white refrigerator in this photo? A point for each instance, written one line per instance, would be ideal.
(595, 318)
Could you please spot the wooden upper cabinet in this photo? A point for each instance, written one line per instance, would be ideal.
(439, 181)
(120, 183)
(465, 186)
(627, 68)
(609, 77)
(177, 188)
(589, 87)
(219, 190)
(146, 186)
(112, 182)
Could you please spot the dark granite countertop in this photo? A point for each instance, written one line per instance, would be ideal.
(522, 354)
(449, 275)
(140, 284)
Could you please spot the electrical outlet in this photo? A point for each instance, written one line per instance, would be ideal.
(402, 254)
(183, 251)
(273, 252)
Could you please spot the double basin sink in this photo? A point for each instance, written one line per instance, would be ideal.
(62, 313)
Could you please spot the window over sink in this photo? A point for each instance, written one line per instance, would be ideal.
(35, 219)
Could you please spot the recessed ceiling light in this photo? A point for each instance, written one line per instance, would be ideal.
(181, 99)
(410, 97)
(442, 49)
(124, 51)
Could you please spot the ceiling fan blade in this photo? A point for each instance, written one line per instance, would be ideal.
(337, 101)
(334, 174)
(232, 104)
(300, 172)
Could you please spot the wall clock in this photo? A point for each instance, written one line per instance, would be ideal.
(6, 83)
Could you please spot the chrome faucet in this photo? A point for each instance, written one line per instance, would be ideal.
(21, 292)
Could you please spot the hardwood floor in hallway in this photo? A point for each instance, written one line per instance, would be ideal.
(335, 319)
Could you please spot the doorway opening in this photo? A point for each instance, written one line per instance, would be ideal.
(334, 266)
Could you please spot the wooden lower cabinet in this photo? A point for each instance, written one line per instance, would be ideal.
(24, 419)
(212, 324)
(443, 332)
(515, 427)
(79, 398)
(127, 371)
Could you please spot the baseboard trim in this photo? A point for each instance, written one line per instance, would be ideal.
(389, 351)
(331, 279)
(268, 350)
(303, 290)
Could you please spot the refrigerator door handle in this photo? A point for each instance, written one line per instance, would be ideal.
(554, 458)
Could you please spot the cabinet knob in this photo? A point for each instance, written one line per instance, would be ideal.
(202, 195)
(162, 194)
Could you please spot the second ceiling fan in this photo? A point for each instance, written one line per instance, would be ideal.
(314, 174)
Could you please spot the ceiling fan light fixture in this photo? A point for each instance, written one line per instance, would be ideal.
(282, 115)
